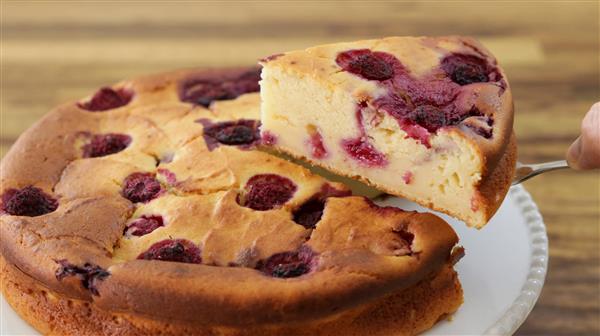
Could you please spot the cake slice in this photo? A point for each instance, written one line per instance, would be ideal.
(428, 119)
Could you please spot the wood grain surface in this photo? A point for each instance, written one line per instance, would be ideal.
(57, 51)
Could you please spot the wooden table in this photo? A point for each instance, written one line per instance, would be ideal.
(64, 50)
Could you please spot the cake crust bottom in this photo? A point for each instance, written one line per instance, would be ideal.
(408, 312)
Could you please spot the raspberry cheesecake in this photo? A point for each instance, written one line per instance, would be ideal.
(428, 119)
(147, 209)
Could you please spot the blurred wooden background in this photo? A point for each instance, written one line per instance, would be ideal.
(52, 52)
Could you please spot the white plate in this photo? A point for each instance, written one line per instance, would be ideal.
(502, 273)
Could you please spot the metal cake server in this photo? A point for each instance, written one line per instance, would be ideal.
(526, 171)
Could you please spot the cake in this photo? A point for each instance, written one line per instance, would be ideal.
(428, 119)
(148, 209)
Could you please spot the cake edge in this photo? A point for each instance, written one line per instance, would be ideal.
(407, 312)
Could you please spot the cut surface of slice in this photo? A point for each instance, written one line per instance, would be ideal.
(428, 119)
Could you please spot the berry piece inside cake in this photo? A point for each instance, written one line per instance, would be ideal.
(107, 98)
(29, 201)
(429, 119)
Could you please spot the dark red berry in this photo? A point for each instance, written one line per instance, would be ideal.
(367, 64)
(243, 132)
(107, 98)
(29, 201)
(310, 213)
(266, 192)
(428, 117)
(236, 135)
(89, 274)
(466, 69)
(362, 151)
(317, 148)
(177, 250)
(408, 177)
(288, 264)
(141, 187)
(267, 138)
(106, 144)
(144, 225)
(205, 91)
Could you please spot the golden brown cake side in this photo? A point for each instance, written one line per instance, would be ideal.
(406, 312)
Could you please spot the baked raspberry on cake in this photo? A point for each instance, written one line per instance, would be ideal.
(429, 119)
(147, 209)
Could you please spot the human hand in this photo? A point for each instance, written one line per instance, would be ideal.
(584, 153)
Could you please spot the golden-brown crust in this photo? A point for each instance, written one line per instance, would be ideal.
(88, 226)
(498, 180)
(499, 151)
(405, 312)
(497, 102)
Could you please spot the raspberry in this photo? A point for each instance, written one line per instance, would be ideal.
(317, 147)
(107, 98)
(429, 117)
(144, 225)
(89, 274)
(288, 264)
(29, 201)
(141, 187)
(243, 132)
(367, 64)
(177, 250)
(408, 177)
(266, 192)
(466, 69)
(310, 213)
(106, 144)
(236, 135)
(362, 151)
(267, 138)
(205, 91)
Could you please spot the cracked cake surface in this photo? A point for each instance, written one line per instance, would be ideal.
(148, 207)
(425, 118)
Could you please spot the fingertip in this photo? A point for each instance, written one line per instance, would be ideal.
(574, 154)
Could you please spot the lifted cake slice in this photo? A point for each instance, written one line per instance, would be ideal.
(428, 119)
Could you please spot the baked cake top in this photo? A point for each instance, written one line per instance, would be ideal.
(153, 191)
